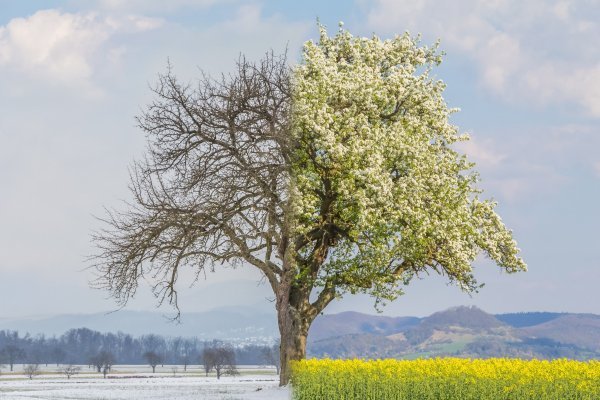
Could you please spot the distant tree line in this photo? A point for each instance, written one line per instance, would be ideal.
(103, 350)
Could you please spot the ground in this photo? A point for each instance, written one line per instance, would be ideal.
(137, 383)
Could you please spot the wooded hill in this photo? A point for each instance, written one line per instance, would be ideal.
(459, 331)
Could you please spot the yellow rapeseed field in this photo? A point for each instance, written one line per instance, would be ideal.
(446, 379)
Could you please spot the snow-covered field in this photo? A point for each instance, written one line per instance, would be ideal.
(136, 382)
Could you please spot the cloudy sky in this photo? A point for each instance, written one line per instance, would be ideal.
(73, 75)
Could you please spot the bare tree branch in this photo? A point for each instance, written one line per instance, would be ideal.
(213, 187)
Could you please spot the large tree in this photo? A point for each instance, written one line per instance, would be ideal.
(337, 175)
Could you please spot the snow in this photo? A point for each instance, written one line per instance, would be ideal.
(252, 384)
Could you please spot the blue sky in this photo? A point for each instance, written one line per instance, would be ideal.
(73, 74)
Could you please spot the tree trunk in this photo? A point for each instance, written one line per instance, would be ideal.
(293, 328)
(292, 348)
(295, 313)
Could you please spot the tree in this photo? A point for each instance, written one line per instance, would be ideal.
(11, 353)
(103, 361)
(58, 355)
(207, 359)
(2, 366)
(188, 352)
(95, 361)
(153, 359)
(337, 176)
(221, 358)
(271, 356)
(69, 370)
(31, 370)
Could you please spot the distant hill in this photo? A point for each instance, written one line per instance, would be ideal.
(521, 320)
(350, 322)
(582, 330)
(356, 346)
(463, 316)
(458, 320)
(227, 323)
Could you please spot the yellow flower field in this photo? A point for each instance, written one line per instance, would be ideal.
(446, 379)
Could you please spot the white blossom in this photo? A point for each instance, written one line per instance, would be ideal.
(371, 122)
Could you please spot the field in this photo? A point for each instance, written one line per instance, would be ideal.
(138, 382)
(423, 379)
(446, 379)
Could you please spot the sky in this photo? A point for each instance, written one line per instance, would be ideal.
(74, 74)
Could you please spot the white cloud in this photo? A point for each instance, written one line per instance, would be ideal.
(536, 51)
(500, 57)
(532, 162)
(511, 189)
(562, 10)
(62, 47)
(246, 30)
(143, 6)
(273, 29)
(247, 17)
(483, 153)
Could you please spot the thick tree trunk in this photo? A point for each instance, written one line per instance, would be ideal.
(293, 331)
(295, 313)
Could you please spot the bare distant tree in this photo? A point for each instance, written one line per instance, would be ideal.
(69, 370)
(11, 353)
(152, 342)
(188, 349)
(221, 358)
(153, 359)
(225, 362)
(95, 361)
(103, 361)
(31, 370)
(58, 355)
(106, 369)
(155, 344)
(185, 361)
(174, 346)
(2, 366)
(271, 356)
(174, 369)
(207, 359)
